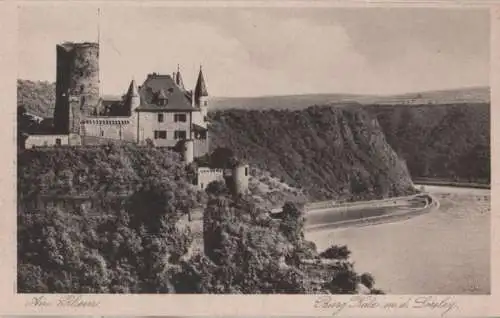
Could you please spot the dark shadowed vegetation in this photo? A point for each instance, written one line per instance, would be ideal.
(129, 239)
(447, 142)
(329, 152)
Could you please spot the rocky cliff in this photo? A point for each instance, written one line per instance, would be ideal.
(330, 152)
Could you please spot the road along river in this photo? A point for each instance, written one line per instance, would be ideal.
(444, 251)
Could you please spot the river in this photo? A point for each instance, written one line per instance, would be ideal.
(446, 251)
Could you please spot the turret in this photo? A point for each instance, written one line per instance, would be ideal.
(201, 94)
(188, 151)
(178, 78)
(132, 98)
(241, 175)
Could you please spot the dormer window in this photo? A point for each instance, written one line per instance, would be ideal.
(162, 98)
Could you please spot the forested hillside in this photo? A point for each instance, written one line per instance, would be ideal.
(447, 139)
(131, 240)
(329, 152)
(450, 142)
(37, 97)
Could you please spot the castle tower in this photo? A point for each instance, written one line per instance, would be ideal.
(241, 176)
(132, 97)
(188, 151)
(77, 85)
(201, 94)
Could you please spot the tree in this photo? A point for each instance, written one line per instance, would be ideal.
(367, 280)
(217, 188)
(336, 252)
(222, 158)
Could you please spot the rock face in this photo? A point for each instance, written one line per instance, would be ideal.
(330, 152)
(77, 88)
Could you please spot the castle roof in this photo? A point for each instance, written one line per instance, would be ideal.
(162, 94)
(201, 88)
(155, 86)
(132, 89)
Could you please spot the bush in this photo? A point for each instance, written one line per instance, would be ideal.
(336, 252)
(367, 280)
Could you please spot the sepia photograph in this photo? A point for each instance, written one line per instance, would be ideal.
(255, 150)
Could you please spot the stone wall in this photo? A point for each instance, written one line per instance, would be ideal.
(207, 175)
(119, 128)
(46, 141)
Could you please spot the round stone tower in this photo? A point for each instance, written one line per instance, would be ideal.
(241, 175)
(188, 151)
(77, 85)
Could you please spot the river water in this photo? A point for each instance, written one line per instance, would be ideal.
(446, 251)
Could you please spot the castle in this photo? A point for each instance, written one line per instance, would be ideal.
(160, 111)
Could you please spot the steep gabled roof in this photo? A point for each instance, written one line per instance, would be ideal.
(132, 89)
(201, 87)
(156, 85)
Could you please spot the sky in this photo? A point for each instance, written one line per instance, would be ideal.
(268, 51)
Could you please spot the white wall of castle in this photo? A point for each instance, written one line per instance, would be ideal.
(148, 123)
(120, 128)
(46, 141)
(199, 118)
(207, 175)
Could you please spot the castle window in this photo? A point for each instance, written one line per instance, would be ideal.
(180, 118)
(58, 141)
(246, 171)
(102, 133)
(205, 103)
(180, 134)
(160, 134)
(205, 119)
(160, 118)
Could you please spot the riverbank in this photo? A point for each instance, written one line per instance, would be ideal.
(446, 251)
(390, 215)
(369, 212)
(447, 183)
